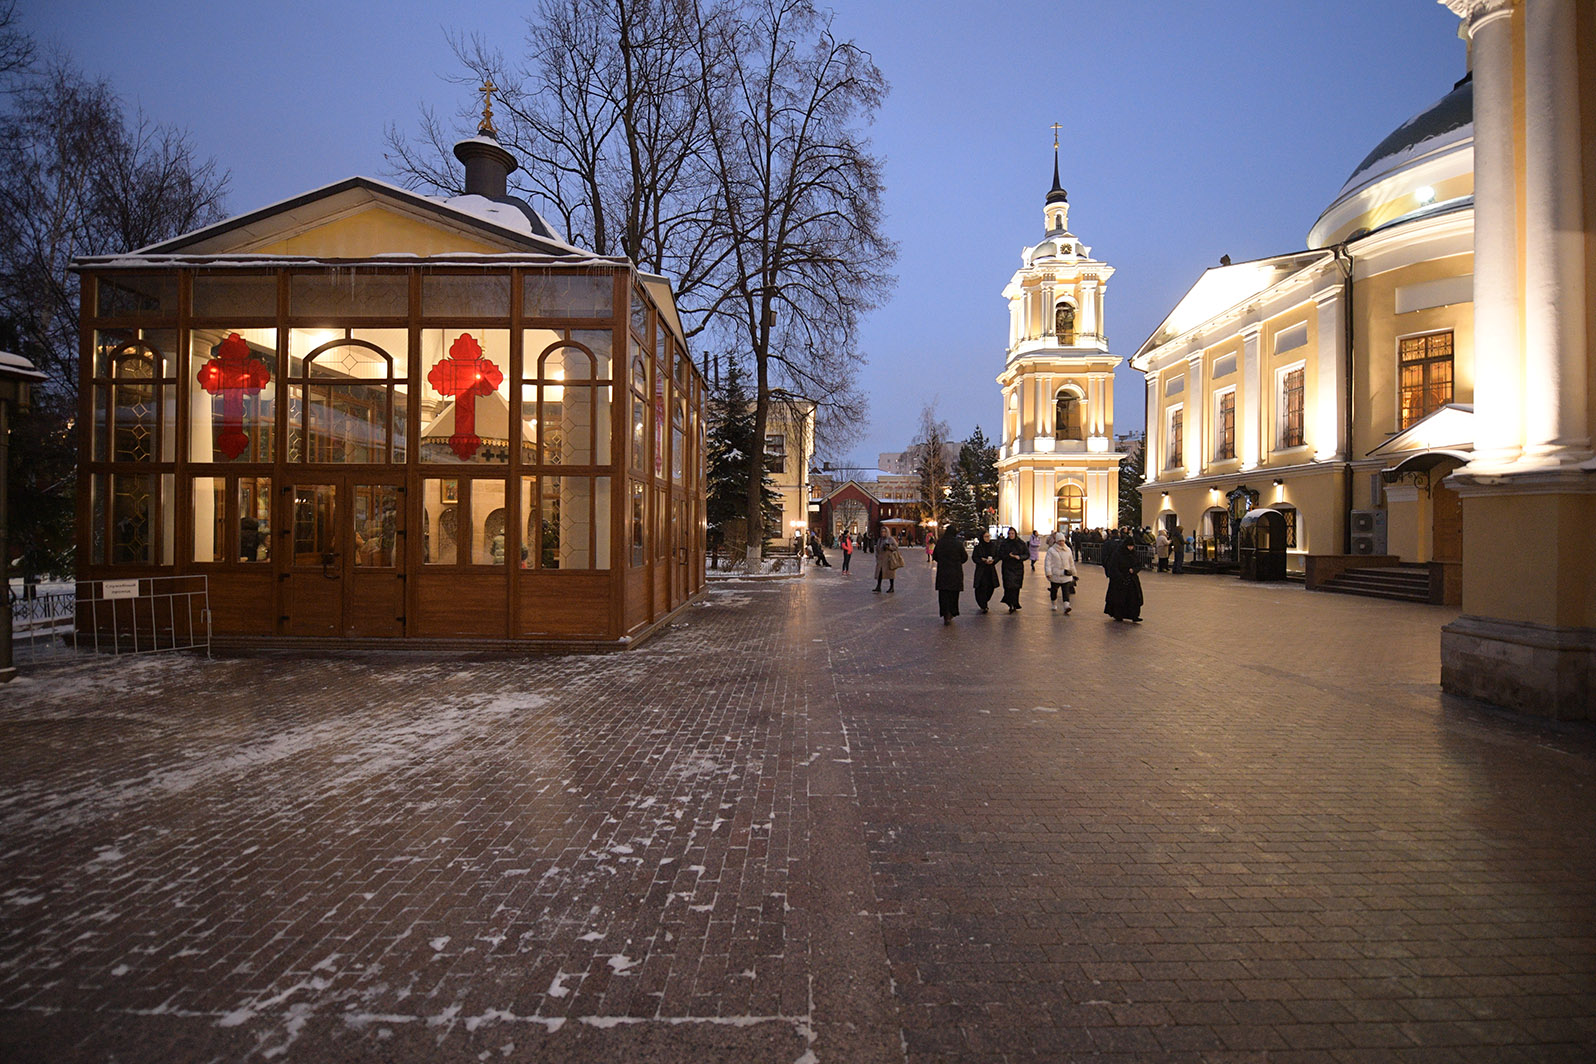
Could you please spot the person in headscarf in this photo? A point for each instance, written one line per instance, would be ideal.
(1123, 601)
(985, 580)
(1012, 560)
(950, 556)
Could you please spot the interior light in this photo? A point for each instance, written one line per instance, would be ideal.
(1425, 195)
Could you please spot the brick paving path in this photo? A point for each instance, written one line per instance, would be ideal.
(809, 824)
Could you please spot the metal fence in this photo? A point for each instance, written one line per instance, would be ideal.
(40, 624)
(144, 615)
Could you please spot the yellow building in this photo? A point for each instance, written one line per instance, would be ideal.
(789, 451)
(1056, 464)
(1417, 386)
(1333, 384)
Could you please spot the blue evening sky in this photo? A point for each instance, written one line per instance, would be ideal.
(1193, 128)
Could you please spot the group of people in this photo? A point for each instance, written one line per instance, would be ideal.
(1003, 563)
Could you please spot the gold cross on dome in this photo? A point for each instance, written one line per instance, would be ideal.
(487, 90)
(1056, 128)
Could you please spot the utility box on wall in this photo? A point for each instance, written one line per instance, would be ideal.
(1368, 532)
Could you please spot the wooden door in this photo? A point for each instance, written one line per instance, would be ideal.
(344, 575)
(1446, 520)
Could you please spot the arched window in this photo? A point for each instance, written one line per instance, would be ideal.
(1071, 506)
(1064, 323)
(1068, 415)
(341, 406)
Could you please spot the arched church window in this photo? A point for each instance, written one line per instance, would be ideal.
(1068, 415)
(1071, 506)
(1064, 323)
(341, 402)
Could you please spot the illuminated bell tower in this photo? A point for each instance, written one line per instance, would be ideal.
(1057, 465)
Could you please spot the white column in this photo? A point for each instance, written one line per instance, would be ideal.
(1049, 297)
(1106, 419)
(1329, 417)
(1498, 356)
(1196, 461)
(1554, 240)
(1087, 325)
(1015, 309)
(1155, 430)
(1249, 408)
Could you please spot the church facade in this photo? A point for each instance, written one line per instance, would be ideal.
(1333, 384)
(1417, 385)
(1057, 465)
(366, 416)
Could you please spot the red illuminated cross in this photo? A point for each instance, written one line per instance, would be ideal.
(465, 374)
(233, 372)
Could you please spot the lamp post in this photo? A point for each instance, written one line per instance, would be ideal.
(16, 373)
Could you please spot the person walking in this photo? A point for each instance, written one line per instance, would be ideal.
(950, 557)
(1012, 561)
(888, 561)
(1179, 548)
(1123, 600)
(930, 546)
(1059, 568)
(1034, 547)
(818, 551)
(846, 543)
(1161, 547)
(985, 580)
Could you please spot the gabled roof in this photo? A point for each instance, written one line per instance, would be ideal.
(1449, 430)
(840, 488)
(510, 225)
(1222, 288)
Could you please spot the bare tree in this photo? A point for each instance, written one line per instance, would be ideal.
(715, 141)
(607, 114)
(800, 205)
(80, 180)
(931, 463)
(16, 47)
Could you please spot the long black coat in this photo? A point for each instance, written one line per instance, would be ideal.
(950, 557)
(1014, 558)
(986, 569)
(1123, 600)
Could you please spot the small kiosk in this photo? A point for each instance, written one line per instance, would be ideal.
(369, 416)
(1262, 542)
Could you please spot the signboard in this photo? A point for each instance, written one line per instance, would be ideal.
(119, 589)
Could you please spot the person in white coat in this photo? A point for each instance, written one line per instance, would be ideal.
(1059, 568)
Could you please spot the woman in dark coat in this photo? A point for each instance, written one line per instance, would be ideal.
(1013, 556)
(1124, 599)
(950, 556)
(986, 570)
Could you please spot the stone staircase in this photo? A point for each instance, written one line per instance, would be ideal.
(1406, 583)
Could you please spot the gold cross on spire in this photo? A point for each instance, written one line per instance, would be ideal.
(486, 125)
(1056, 128)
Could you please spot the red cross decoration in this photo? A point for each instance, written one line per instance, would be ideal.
(465, 374)
(233, 372)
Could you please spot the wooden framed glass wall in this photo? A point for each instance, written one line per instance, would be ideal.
(533, 437)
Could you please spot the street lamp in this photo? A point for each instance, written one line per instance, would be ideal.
(16, 374)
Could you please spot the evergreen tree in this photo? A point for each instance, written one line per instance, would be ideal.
(730, 419)
(972, 502)
(1132, 473)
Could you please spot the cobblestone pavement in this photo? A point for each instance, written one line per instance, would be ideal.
(809, 824)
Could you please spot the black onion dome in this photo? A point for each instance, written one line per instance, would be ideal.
(1439, 123)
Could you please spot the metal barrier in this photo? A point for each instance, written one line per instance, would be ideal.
(38, 623)
(733, 561)
(144, 615)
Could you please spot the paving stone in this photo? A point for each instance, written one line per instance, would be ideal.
(807, 824)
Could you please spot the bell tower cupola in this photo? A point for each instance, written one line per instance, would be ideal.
(1057, 208)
